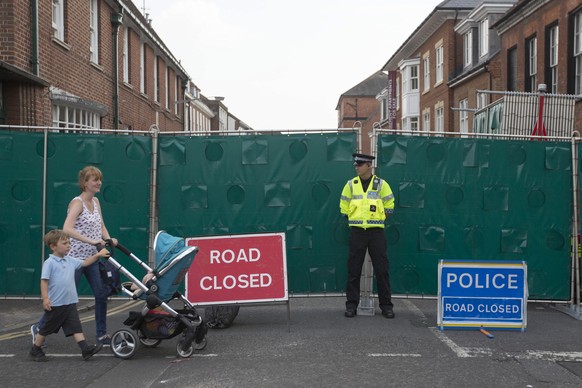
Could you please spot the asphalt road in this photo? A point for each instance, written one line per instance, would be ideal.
(317, 347)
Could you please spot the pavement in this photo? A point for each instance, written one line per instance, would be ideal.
(312, 346)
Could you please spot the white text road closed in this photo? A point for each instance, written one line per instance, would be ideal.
(237, 269)
(490, 294)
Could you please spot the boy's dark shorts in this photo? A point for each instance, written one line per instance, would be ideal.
(65, 317)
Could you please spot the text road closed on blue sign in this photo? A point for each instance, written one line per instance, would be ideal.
(491, 294)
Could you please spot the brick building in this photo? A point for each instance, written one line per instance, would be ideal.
(422, 66)
(358, 107)
(541, 43)
(493, 46)
(91, 64)
(477, 63)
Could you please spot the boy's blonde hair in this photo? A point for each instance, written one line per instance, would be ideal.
(88, 173)
(54, 236)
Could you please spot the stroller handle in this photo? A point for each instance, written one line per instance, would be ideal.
(123, 249)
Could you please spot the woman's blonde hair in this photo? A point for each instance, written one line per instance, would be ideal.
(88, 173)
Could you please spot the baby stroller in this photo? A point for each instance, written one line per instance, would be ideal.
(157, 321)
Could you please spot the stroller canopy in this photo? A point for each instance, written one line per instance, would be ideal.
(173, 259)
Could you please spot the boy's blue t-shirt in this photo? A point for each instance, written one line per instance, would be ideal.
(60, 273)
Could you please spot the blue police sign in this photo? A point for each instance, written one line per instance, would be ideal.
(483, 294)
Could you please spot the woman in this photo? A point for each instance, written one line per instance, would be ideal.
(84, 224)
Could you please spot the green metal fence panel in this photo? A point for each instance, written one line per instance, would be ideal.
(263, 183)
(456, 199)
(478, 199)
(21, 169)
(125, 162)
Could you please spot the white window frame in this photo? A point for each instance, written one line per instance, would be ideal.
(384, 108)
(426, 73)
(439, 118)
(126, 55)
(468, 49)
(577, 39)
(156, 80)
(397, 94)
(94, 30)
(142, 52)
(439, 58)
(69, 117)
(414, 124)
(413, 73)
(464, 116)
(484, 37)
(58, 21)
(554, 37)
(167, 93)
(482, 100)
(426, 120)
(533, 62)
(176, 86)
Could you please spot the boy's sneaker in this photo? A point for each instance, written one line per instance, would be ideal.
(104, 340)
(34, 332)
(91, 350)
(36, 354)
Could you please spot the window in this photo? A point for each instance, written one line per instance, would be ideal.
(531, 64)
(464, 116)
(468, 49)
(156, 81)
(59, 20)
(414, 124)
(176, 86)
(397, 94)
(426, 120)
(384, 108)
(482, 100)
(69, 117)
(413, 78)
(167, 94)
(439, 122)
(439, 64)
(512, 69)
(94, 30)
(552, 59)
(142, 70)
(577, 52)
(126, 58)
(426, 73)
(484, 41)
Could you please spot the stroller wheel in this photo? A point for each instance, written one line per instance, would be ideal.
(124, 344)
(184, 353)
(149, 342)
(201, 345)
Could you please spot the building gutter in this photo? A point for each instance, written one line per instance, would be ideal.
(116, 21)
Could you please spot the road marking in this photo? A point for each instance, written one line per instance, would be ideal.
(459, 351)
(394, 355)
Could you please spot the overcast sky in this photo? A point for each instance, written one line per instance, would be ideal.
(283, 64)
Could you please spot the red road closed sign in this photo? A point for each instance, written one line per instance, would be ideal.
(237, 269)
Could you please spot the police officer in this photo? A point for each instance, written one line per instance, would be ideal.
(367, 201)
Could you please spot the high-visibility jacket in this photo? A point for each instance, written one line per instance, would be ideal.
(367, 209)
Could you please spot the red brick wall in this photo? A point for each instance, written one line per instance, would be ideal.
(368, 112)
(439, 92)
(67, 66)
(536, 24)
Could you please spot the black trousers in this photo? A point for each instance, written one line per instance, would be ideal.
(374, 241)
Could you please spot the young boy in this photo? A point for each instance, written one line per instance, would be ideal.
(59, 295)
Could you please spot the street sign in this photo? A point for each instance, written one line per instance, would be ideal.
(482, 294)
(238, 269)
